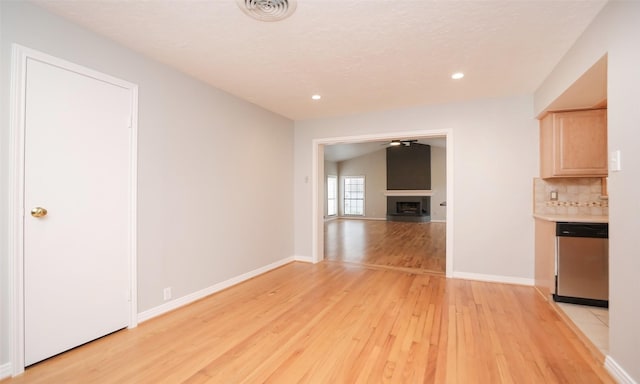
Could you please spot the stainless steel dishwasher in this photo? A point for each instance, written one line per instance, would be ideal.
(582, 263)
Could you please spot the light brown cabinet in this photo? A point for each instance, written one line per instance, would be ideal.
(574, 144)
(545, 256)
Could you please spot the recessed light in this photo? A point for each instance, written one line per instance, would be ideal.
(316, 97)
(457, 76)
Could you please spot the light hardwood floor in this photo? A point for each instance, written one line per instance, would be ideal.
(339, 323)
(399, 245)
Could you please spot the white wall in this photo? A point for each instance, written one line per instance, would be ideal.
(438, 183)
(208, 211)
(495, 151)
(615, 32)
(373, 166)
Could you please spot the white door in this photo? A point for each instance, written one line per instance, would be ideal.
(76, 166)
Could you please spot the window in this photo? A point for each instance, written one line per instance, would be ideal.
(332, 195)
(354, 195)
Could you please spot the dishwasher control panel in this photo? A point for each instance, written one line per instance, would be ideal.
(597, 230)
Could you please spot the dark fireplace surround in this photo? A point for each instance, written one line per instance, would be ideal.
(408, 208)
(409, 168)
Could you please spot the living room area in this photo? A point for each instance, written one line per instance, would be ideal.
(385, 204)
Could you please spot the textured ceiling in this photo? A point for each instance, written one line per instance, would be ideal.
(360, 55)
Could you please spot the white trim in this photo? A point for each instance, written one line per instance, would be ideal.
(303, 259)
(618, 373)
(450, 204)
(438, 221)
(5, 370)
(409, 192)
(190, 298)
(133, 210)
(20, 55)
(353, 217)
(317, 210)
(493, 278)
(15, 209)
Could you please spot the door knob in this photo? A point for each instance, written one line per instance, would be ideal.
(38, 212)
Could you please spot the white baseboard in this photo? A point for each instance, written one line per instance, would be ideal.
(304, 259)
(618, 373)
(363, 218)
(5, 370)
(493, 278)
(184, 300)
(438, 221)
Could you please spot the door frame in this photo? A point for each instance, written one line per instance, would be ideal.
(20, 55)
(317, 185)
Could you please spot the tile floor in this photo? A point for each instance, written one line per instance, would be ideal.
(592, 321)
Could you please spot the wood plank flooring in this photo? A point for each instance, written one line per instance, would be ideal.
(416, 246)
(340, 323)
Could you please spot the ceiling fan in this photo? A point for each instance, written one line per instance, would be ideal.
(397, 143)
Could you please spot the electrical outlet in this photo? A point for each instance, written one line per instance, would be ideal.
(553, 196)
(167, 293)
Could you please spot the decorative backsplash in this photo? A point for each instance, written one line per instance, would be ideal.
(576, 196)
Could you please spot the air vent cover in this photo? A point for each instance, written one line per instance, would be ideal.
(268, 10)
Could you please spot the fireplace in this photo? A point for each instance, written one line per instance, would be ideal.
(408, 207)
(409, 183)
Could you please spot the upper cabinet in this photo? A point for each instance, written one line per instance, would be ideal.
(574, 144)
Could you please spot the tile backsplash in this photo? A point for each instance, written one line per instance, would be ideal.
(576, 196)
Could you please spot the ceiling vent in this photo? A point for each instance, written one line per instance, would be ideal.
(268, 10)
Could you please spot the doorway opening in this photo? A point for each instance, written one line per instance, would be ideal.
(374, 239)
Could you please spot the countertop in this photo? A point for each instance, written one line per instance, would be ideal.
(572, 218)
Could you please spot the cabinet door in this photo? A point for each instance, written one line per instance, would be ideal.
(574, 144)
(545, 256)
